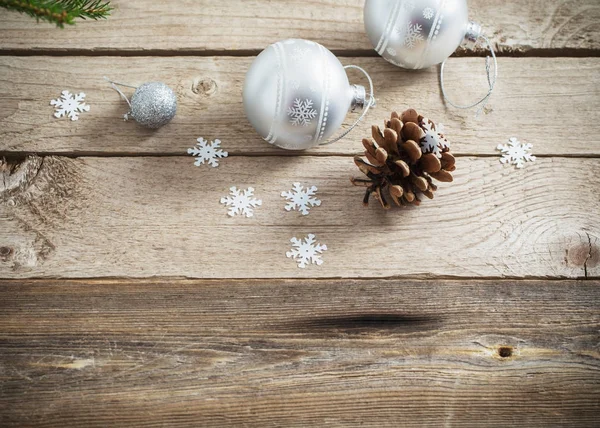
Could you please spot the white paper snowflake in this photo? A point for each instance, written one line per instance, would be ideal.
(428, 13)
(307, 251)
(207, 152)
(69, 105)
(516, 153)
(412, 35)
(301, 199)
(302, 112)
(241, 201)
(433, 142)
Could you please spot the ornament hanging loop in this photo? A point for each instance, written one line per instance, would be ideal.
(474, 33)
(115, 86)
(360, 100)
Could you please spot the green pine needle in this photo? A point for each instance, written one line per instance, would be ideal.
(60, 12)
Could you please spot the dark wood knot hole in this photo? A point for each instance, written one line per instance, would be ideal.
(505, 351)
(5, 253)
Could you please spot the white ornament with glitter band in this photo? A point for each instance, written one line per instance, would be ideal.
(418, 33)
(296, 94)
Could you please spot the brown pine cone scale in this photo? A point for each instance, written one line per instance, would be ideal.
(402, 160)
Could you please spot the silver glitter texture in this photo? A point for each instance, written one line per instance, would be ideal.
(153, 104)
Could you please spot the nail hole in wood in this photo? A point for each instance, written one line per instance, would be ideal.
(5, 253)
(505, 351)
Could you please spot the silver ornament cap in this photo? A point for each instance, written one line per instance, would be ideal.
(296, 94)
(417, 34)
(153, 104)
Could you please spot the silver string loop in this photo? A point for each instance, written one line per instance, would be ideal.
(370, 103)
(115, 87)
(491, 78)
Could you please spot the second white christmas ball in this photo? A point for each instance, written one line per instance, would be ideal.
(417, 34)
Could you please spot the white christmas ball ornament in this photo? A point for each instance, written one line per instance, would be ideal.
(418, 33)
(296, 94)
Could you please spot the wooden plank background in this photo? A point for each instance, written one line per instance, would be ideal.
(479, 308)
(141, 216)
(541, 100)
(300, 353)
(239, 26)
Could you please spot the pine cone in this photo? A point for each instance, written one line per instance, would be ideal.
(402, 160)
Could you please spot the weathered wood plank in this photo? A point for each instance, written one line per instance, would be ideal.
(299, 353)
(540, 100)
(147, 216)
(242, 25)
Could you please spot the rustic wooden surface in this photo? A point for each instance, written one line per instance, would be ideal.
(247, 26)
(535, 97)
(411, 320)
(300, 353)
(147, 216)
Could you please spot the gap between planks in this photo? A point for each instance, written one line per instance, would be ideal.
(75, 155)
(182, 280)
(347, 53)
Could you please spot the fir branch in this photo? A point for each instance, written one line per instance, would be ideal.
(60, 12)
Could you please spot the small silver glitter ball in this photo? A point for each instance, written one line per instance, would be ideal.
(153, 104)
(417, 34)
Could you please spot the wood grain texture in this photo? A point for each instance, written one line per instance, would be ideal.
(148, 216)
(539, 100)
(242, 25)
(303, 353)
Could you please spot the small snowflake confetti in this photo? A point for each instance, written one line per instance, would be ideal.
(241, 201)
(516, 153)
(302, 112)
(434, 141)
(428, 13)
(207, 152)
(301, 199)
(69, 105)
(307, 251)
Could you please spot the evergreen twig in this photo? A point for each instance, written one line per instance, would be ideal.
(60, 12)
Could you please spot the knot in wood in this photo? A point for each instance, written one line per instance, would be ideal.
(505, 351)
(207, 87)
(5, 253)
